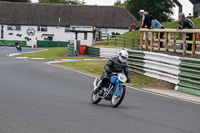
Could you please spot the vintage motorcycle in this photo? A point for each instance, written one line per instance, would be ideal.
(114, 90)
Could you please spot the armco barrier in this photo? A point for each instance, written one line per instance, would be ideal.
(189, 76)
(93, 51)
(155, 65)
(70, 51)
(108, 52)
(183, 72)
(52, 44)
(136, 61)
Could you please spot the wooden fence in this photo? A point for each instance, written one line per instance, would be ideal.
(166, 40)
(115, 40)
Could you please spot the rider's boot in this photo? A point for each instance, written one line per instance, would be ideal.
(99, 90)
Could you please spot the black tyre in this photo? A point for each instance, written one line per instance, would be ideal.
(115, 102)
(95, 99)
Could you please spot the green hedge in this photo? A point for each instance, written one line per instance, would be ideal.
(11, 43)
(52, 44)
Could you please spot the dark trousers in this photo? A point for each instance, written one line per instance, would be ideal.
(189, 44)
(105, 79)
(161, 37)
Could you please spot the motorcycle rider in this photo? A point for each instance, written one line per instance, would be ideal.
(117, 65)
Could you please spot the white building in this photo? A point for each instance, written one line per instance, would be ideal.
(30, 22)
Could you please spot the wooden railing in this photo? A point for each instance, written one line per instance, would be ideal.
(116, 40)
(173, 34)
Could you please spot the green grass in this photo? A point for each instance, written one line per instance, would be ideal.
(53, 53)
(97, 68)
(136, 34)
(120, 39)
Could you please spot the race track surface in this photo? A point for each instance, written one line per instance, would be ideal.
(40, 98)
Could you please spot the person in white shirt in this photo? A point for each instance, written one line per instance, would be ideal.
(141, 12)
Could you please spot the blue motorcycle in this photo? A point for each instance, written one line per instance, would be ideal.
(114, 90)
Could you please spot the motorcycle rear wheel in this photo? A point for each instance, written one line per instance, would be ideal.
(115, 102)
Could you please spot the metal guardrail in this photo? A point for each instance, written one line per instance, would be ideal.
(183, 72)
(167, 40)
(189, 76)
(155, 65)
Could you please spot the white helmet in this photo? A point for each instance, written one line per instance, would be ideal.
(123, 56)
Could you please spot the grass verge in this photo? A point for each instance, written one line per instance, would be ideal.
(97, 67)
(53, 53)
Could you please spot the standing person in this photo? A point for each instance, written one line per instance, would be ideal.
(129, 29)
(94, 33)
(155, 24)
(185, 23)
(147, 24)
(141, 12)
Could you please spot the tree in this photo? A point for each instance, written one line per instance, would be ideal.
(17, 0)
(160, 10)
(118, 3)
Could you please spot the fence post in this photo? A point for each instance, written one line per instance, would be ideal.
(124, 42)
(133, 43)
(184, 43)
(146, 40)
(166, 42)
(141, 40)
(174, 42)
(158, 41)
(115, 40)
(193, 44)
(107, 39)
(152, 41)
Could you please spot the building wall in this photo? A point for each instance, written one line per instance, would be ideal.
(58, 32)
(197, 8)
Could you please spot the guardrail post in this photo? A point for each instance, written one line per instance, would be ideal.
(166, 42)
(141, 40)
(159, 41)
(184, 43)
(193, 44)
(174, 42)
(152, 41)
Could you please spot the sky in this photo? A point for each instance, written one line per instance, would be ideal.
(187, 5)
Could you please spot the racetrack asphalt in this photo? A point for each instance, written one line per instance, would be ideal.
(40, 98)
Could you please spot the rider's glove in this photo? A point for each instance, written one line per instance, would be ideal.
(128, 81)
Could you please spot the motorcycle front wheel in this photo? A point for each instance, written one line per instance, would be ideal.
(95, 99)
(117, 99)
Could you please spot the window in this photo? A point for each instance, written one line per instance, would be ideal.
(42, 28)
(85, 36)
(14, 27)
(67, 29)
(104, 30)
